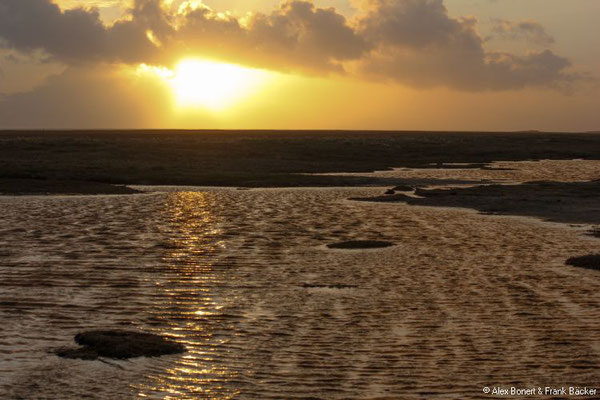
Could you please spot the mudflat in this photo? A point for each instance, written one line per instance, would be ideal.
(275, 285)
(568, 202)
(262, 158)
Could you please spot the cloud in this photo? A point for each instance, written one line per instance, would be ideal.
(85, 97)
(301, 32)
(297, 36)
(77, 35)
(531, 31)
(89, 3)
(412, 23)
(418, 43)
(413, 42)
(32, 24)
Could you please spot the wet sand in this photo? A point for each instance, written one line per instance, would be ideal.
(244, 280)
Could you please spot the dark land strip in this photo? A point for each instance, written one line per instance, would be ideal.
(21, 187)
(566, 202)
(87, 162)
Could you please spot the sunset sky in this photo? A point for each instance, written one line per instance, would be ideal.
(325, 64)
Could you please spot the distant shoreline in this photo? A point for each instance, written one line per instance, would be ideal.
(10, 131)
(102, 162)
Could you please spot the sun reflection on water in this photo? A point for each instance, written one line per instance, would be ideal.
(188, 300)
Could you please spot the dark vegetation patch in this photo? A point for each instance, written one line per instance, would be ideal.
(591, 261)
(360, 244)
(80, 353)
(119, 344)
(21, 186)
(594, 232)
(441, 165)
(403, 188)
(322, 286)
(488, 168)
(569, 202)
(265, 158)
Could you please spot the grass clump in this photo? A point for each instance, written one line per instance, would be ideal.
(360, 244)
(591, 261)
(119, 344)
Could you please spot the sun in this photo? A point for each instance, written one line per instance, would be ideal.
(213, 85)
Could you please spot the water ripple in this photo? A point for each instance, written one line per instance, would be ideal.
(243, 278)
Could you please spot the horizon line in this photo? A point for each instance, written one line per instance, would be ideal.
(260, 130)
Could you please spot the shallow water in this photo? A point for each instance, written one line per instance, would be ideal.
(461, 302)
(507, 172)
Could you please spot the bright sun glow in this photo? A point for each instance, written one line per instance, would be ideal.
(208, 84)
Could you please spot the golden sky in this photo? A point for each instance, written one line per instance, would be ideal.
(323, 64)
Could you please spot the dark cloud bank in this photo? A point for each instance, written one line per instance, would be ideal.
(414, 42)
